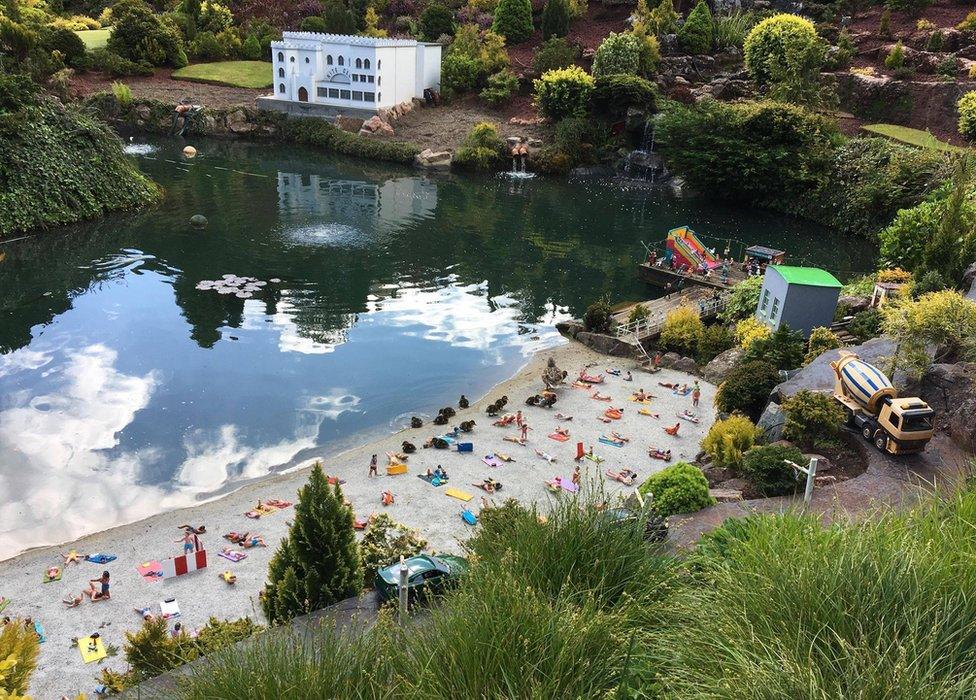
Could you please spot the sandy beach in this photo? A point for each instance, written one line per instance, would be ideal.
(417, 504)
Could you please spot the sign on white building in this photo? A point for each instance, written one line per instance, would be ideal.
(353, 72)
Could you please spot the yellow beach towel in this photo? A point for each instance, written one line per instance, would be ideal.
(459, 494)
(91, 649)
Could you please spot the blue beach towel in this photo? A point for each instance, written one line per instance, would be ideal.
(465, 447)
(39, 628)
(469, 517)
(608, 441)
(100, 558)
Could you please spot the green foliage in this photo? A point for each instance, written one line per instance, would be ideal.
(784, 349)
(742, 300)
(616, 93)
(682, 330)
(513, 20)
(482, 148)
(679, 488)
(896, 57)
(966, 107)
(784, 55)
(621, 54)
(501, 86)
(115, 66)
(554, 53)
(206, 46)
(865, 325)
(765, 468)
(732, 29)
(563, 93)
(318, 562)
(715, 339)
(16, 40)
(555, 19)
(661, 20)
(695, 35)
(18, 657)
(821, 340)
(935, 41)
(384, 542)
(471, 58)
(944, 320)
(931, 281)
(913, 6)
(746, 388)
(813, 418)
(123, 94)
(459, 73)
(729, 439)
(140, 36)
(597, 316)
(251, 50)
(59, 165)
(968, 24)
(435, 21)
(638, 313)
(337, 18)
(884, 23)
(214, 17)
(321, 134)
(581, 138)
(65, 41)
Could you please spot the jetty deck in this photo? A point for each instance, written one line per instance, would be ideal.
(703, 299)
(666, 278)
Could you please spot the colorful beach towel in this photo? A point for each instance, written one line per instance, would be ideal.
(39, 628)
(260, 512)
(47, 578)
(92, 649)
(469, 517)
(150, 570)
(568, 485)
(683, 393)
(465, 447)
(459, 494)
(432, 479)
(232, 555)
(559, 437)
(491, 460)
(169, 608)
(645, 412)
(645, 402)
(610, 441)
(394, 469)
(100, 558)
(594, 458)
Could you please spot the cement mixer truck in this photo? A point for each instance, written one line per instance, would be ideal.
(871, 404)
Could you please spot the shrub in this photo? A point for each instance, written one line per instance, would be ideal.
(372, 20)
(337, 18)
(580, 138)
(966, 107)
(821, 340)
(919, 236)
(682, 330)
(729, 439)
(615, 94)
(436, 20)
(695, 35)
(865, 325)
(715, 340)
(18, 657)
(597, 316)
(563, 93)
(766, 469)
(618, 53)
(749, 330)
(746, 388)
(638, 313)
(553, 54)
(251, 49)
(115, 66)
(482, 148)
(214, 17)
(318, 562)
(140, 36)
(908, 5)
(935, 41)
(884, 23)
(384, 542)
(65, 41)
(16, 40)
(968, 24)
(742, 300)
(944, 320)
(471, 58)
(662, 20)
(513, 20)
(813, 418)
(679, 488)
(459, 73)
(123, 94)
(732, 29)
(931, 281)
(555, 19)
(896, 57)
(784, 55)
(501, 86)
(784, 349)
(206, 46)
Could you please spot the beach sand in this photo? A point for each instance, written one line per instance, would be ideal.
(418, 504)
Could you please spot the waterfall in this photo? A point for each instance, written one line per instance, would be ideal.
(643, 163)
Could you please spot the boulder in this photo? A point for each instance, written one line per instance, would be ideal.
(825, 480)
(433, 160)
(569, 328)
(949, 390)
(534, 143)
(718, 369)
(350, 124)
(606, 344)
(669, 359)
(513, 141)
(771, 422)
(238, 123)
(144, 112)
(854, 303)
(376, 126)
(725, 495)
(969, 281)
(686, 364)
(823, 464)
(717, 475)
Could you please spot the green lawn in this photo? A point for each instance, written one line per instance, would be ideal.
(244, 74)
(95, 38)
(915, 137)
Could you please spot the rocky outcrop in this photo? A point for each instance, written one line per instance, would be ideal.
(969, 281)
(718, 369)
(951, 391)
(853, 303)
(374, 126)
(771, 422)
(350, 124)
(672, 360)
(433, 160)
(606, 344)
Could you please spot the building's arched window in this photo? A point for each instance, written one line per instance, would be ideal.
(379, 96)
(306, 59)
(359, 63)
(292, 59)
(366, 64)
(379, 65)
(379, 81)
(328, 59)
(342, 61)
(281, 57)
(281, 72)
(281, 88)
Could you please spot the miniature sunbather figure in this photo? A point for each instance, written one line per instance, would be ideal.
(688, 416)
(667, 385)
(563, 417)
(614, 372)
(656, 453)
(73, 601)
(506, 420)
(673, 430)
(253, 541)
(145, 614)
(618, 437)
(628, 377)
(386, 498)
(640, 395)
(561, 431)
(514, 438)
(546, 456)
(71, 557)
(600, 397)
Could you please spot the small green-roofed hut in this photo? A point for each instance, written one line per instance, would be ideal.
(801, 297)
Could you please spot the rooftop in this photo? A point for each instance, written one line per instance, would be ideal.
(346, 39)
(807, 276)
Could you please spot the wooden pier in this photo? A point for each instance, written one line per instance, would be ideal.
(705, 300)
(666, 278)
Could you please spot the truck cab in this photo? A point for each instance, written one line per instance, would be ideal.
(904, 426)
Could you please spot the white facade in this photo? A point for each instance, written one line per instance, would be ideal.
(354, 72)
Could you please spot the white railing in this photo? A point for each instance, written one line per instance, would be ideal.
(652, 324)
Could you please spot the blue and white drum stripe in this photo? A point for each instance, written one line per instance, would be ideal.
(864, 380)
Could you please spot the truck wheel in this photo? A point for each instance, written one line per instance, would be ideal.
(881, 440)
(867, 431)
(849, 418)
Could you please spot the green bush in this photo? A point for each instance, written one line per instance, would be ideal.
(555, 19)
(460, 73)
(321, 134)
(766, 469)
(615, 94)
(501, 86)
(19, 647)
(715, 339)
(913, 6)
(732, 29)
(682, 330)
(895, 59)
(742, 300)
(563, 93)
(482, 148)
(16, 40)
(384, 542)
(513, 20)
(623, 54)
(139, 36)
(943, 320)
(251, 51)
(746, 389)
(966, 107)
(679, 488)
(695, 35)
(729, 439)
(337, 18)
(205, 46)
(865, 325)
(931, 281)
(597, 316)
(784, 55)
(581, 138)
(471, 58)
(435, 21)
(813, 418)
(783, 349)
(661, 20)
(123, 94)
(214, 17)
(65, 41)
(115, 66)
(821, 340)
(553, 54)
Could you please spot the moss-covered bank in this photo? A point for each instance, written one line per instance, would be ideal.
(59, 165)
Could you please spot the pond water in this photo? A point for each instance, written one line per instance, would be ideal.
(125, 389)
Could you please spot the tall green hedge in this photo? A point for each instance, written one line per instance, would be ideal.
(513, 20)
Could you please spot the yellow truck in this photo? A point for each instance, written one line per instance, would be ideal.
(871, 405)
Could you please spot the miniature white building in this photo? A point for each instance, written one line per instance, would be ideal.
(353, 72)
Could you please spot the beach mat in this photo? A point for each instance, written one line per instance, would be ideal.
(394, 469)
(47, 579)
(169, 608)
(646, 402)
(150, 570)
(257, 513)
(465, 447)
(612, 443)
(92, 649)
(277, 504)
(100, 558)
(491, 461)
(39, 628)
(458, 494)
(558, 437)
(432, 480)
(645, 412)
(231, 555)
(469, 517)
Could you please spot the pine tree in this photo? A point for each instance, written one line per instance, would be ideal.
(318, 562)
(513, 20)
(695, 35)
(555, 18)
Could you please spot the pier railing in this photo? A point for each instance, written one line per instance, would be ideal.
(651, 325)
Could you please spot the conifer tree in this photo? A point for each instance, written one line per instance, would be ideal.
(513, 20)
(555, 19)
(318, 562)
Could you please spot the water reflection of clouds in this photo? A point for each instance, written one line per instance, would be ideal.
(466, 316)
(291, 338)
